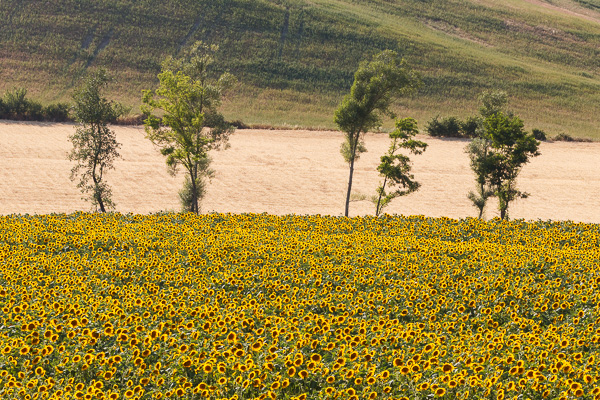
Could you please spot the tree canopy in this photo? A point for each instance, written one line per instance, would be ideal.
(95, 146)
(188, 97)
(377, 83)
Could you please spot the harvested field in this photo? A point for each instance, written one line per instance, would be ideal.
(284, 172)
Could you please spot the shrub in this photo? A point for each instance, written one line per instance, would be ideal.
(447, 127)
(34, 111)
(470, 127)
(239, 124)
(137, 119)
(539, 134)
(17, 106)
(563, 137)
(16, 103)
(58, 112)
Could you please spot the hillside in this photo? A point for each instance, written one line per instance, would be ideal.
(295, 58)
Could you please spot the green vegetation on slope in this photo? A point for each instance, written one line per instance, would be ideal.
(296, 58)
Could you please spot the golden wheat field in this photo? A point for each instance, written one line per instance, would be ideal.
(284, 172)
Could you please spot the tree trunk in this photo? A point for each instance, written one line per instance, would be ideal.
(194, 205)
(97, 193)
(379, 199)
(349, 187)
(97, 181)
(503, 205)
(354, 144)
(483, 200)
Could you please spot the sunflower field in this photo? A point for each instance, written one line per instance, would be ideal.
(256, 306)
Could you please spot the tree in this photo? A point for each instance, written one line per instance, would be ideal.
(478, 150)
(190, 125)
(395, 168)
(95, 146)
(493, 103)
(376, 84)
(499, 157)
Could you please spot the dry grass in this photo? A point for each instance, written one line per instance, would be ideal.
(283, 172)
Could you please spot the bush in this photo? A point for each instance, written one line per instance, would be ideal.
(16, 103)
(447, 127)
(539, 134)
(239, 124)
(3, 110)
(58, 112)
(563, 137)
(470, 127)
(34, 111)
(137, 119)
(17, 106)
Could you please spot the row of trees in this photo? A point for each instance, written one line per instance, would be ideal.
(499, 150)
(189, 127)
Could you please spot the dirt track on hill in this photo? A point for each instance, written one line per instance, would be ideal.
(282, 172)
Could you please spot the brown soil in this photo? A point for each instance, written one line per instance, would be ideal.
(282, 172)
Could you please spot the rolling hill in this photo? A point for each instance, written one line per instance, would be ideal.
(295, 58)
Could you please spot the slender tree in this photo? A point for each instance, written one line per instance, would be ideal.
(376, 84)
(188, 97)
(95, 146)
(478, 150)
(395, 168)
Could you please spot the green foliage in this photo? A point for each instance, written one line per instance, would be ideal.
(377, 83)
(17, 103)
(395, 168)
(446, 127)
(95, 146)
(191, 125)
(471, 127)
(16, 106)
(546, 61)
(500, 152)
(539, 134)
(493, 103)
(510, 147)
(563, 137)
(478, 150)
(454, 127)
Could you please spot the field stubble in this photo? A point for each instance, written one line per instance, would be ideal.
(283, 172)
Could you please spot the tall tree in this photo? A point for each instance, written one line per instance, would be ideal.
(376, 84)
(395, 168)
(95, 146)
(511, 148)
(188, 97)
